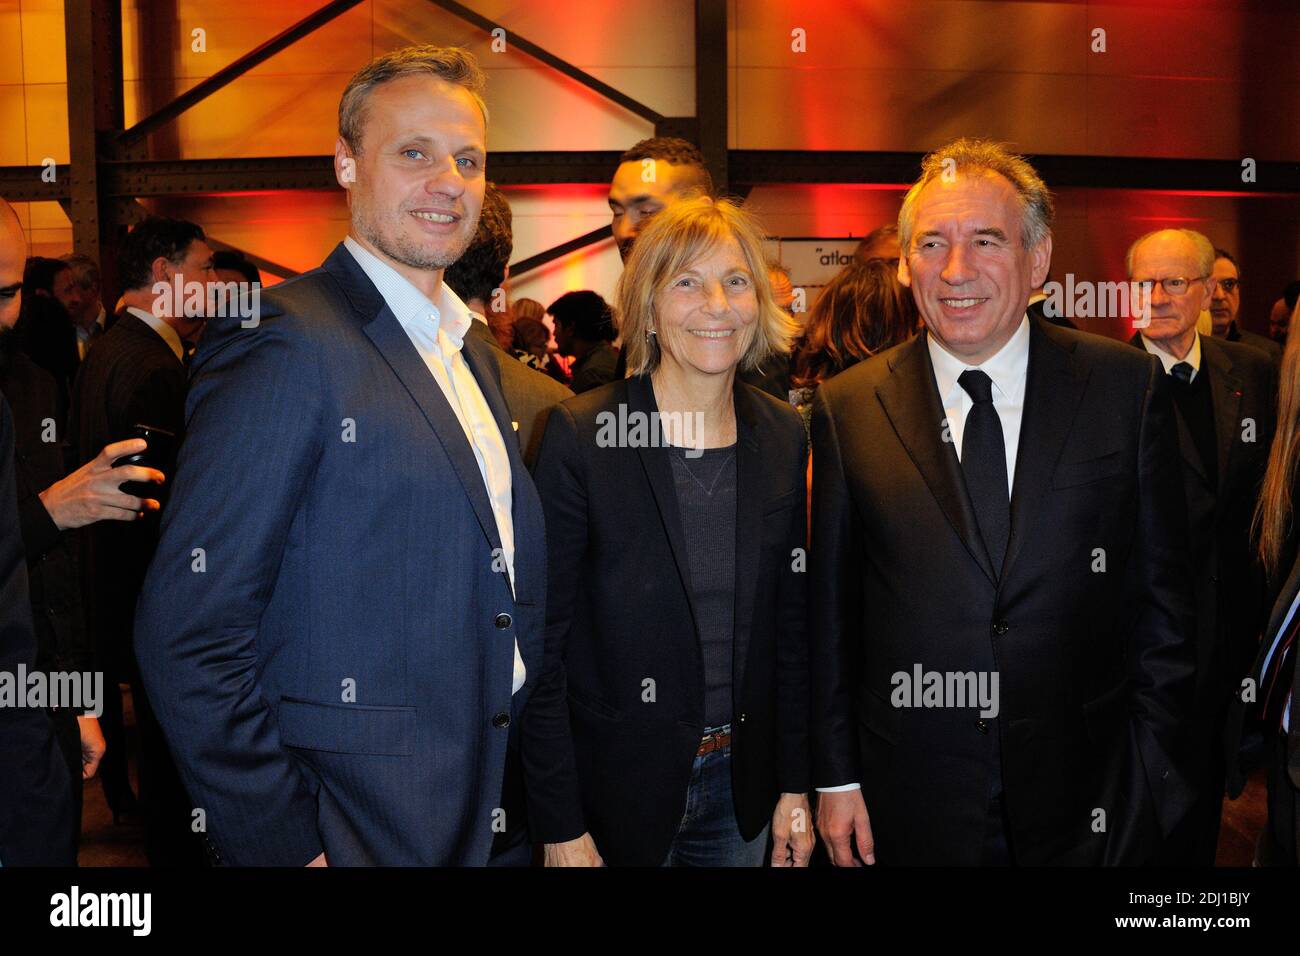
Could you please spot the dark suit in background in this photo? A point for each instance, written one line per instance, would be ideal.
(339, 677)
(1225, 422)
(1094, 664)
(52, 573)
(598, 756)
(1263, 343)
(131, 377)
(36, 824)
(529, 394)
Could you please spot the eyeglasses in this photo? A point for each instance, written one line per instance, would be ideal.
(1229, 286)
(1174, 285)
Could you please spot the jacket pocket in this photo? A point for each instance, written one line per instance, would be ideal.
(593, 706)
(1071, 473)
(347, 728)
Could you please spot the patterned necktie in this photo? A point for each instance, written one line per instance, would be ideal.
(984, 463)
(1183, 372)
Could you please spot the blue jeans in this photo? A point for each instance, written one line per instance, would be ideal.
(708, 834)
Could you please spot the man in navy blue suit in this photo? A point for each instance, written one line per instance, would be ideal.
(344, 616)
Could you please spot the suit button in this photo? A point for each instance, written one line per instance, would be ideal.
(1001, 627)
(504, 620)
(501, 721)
(982, 726)
(742, 718)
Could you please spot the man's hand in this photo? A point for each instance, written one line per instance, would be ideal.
(842, 819)
(792, 831)
(91, 494)
(92, 746)
(319, 861)
(579, 852)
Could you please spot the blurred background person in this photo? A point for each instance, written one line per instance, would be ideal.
(881, 243)
(80, 292)
(863, 310)
(1226, 303)
(584, 329)
(1279, 319)
(670, 575)
(136, 376)
(532, 346)
(651, 176)
(773, 374)
(477, 278)
(45, 330)
(527, 309)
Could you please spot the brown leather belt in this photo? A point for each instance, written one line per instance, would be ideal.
(714, 741)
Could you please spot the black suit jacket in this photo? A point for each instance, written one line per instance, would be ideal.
(35, 794)
(1229, 584)
(597, 755)
(1086, 622)
(1263, 343)
(130, 377)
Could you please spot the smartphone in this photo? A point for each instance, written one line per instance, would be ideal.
(160, 453)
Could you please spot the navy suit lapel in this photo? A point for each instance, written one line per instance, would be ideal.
(388, 336)
(1225, 389)
(750, 499)
(911, 400)
(1054, 385)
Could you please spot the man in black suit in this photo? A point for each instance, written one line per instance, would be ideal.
(1000, 600)
(1225, 304)
(135, 375)
(1224, 394)
(478, 278)
(36, 815)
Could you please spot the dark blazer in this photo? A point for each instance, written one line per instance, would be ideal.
(1038, 310)
(529, 394)
(1229, 586)
(1266, 345)
(131, 377)
(36, 823)
(1086, 622)
(338, 675)
(597, 757)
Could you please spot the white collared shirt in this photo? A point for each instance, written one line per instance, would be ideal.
(1008, 369)
(438, 334)
(1168, 361)
(165, 331)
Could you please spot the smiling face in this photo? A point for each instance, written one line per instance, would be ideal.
(706, 315)
(967, 267)
(1227, 295)
(419, 179)
(1167, 255)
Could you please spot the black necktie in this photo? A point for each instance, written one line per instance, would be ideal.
(1183, 372)
(984, 463)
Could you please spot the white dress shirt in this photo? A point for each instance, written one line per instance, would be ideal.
(165, 331)
(85, 335)
(1168, 361)
(1009, 369)
(437, 334)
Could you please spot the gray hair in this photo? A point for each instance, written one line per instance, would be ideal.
(448, 63)
(1204, 249)
(982, 155)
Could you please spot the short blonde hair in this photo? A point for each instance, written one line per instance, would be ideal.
(675, 238)
(450, 64)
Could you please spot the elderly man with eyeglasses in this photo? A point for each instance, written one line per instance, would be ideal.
(1223, 394)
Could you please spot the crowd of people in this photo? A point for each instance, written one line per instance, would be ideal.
(402, 571)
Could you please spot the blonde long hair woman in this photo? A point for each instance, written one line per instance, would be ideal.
(670, 725)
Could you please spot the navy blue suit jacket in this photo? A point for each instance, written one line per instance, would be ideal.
(333, 668)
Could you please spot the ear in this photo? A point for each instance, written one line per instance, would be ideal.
(1041, 259)
(345, 164)
(1210, 285)
(904, 271)
(161, 269)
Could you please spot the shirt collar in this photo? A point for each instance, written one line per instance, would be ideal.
(1193, 357)
(1007, 367)
(165, 331)
(409, 304)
